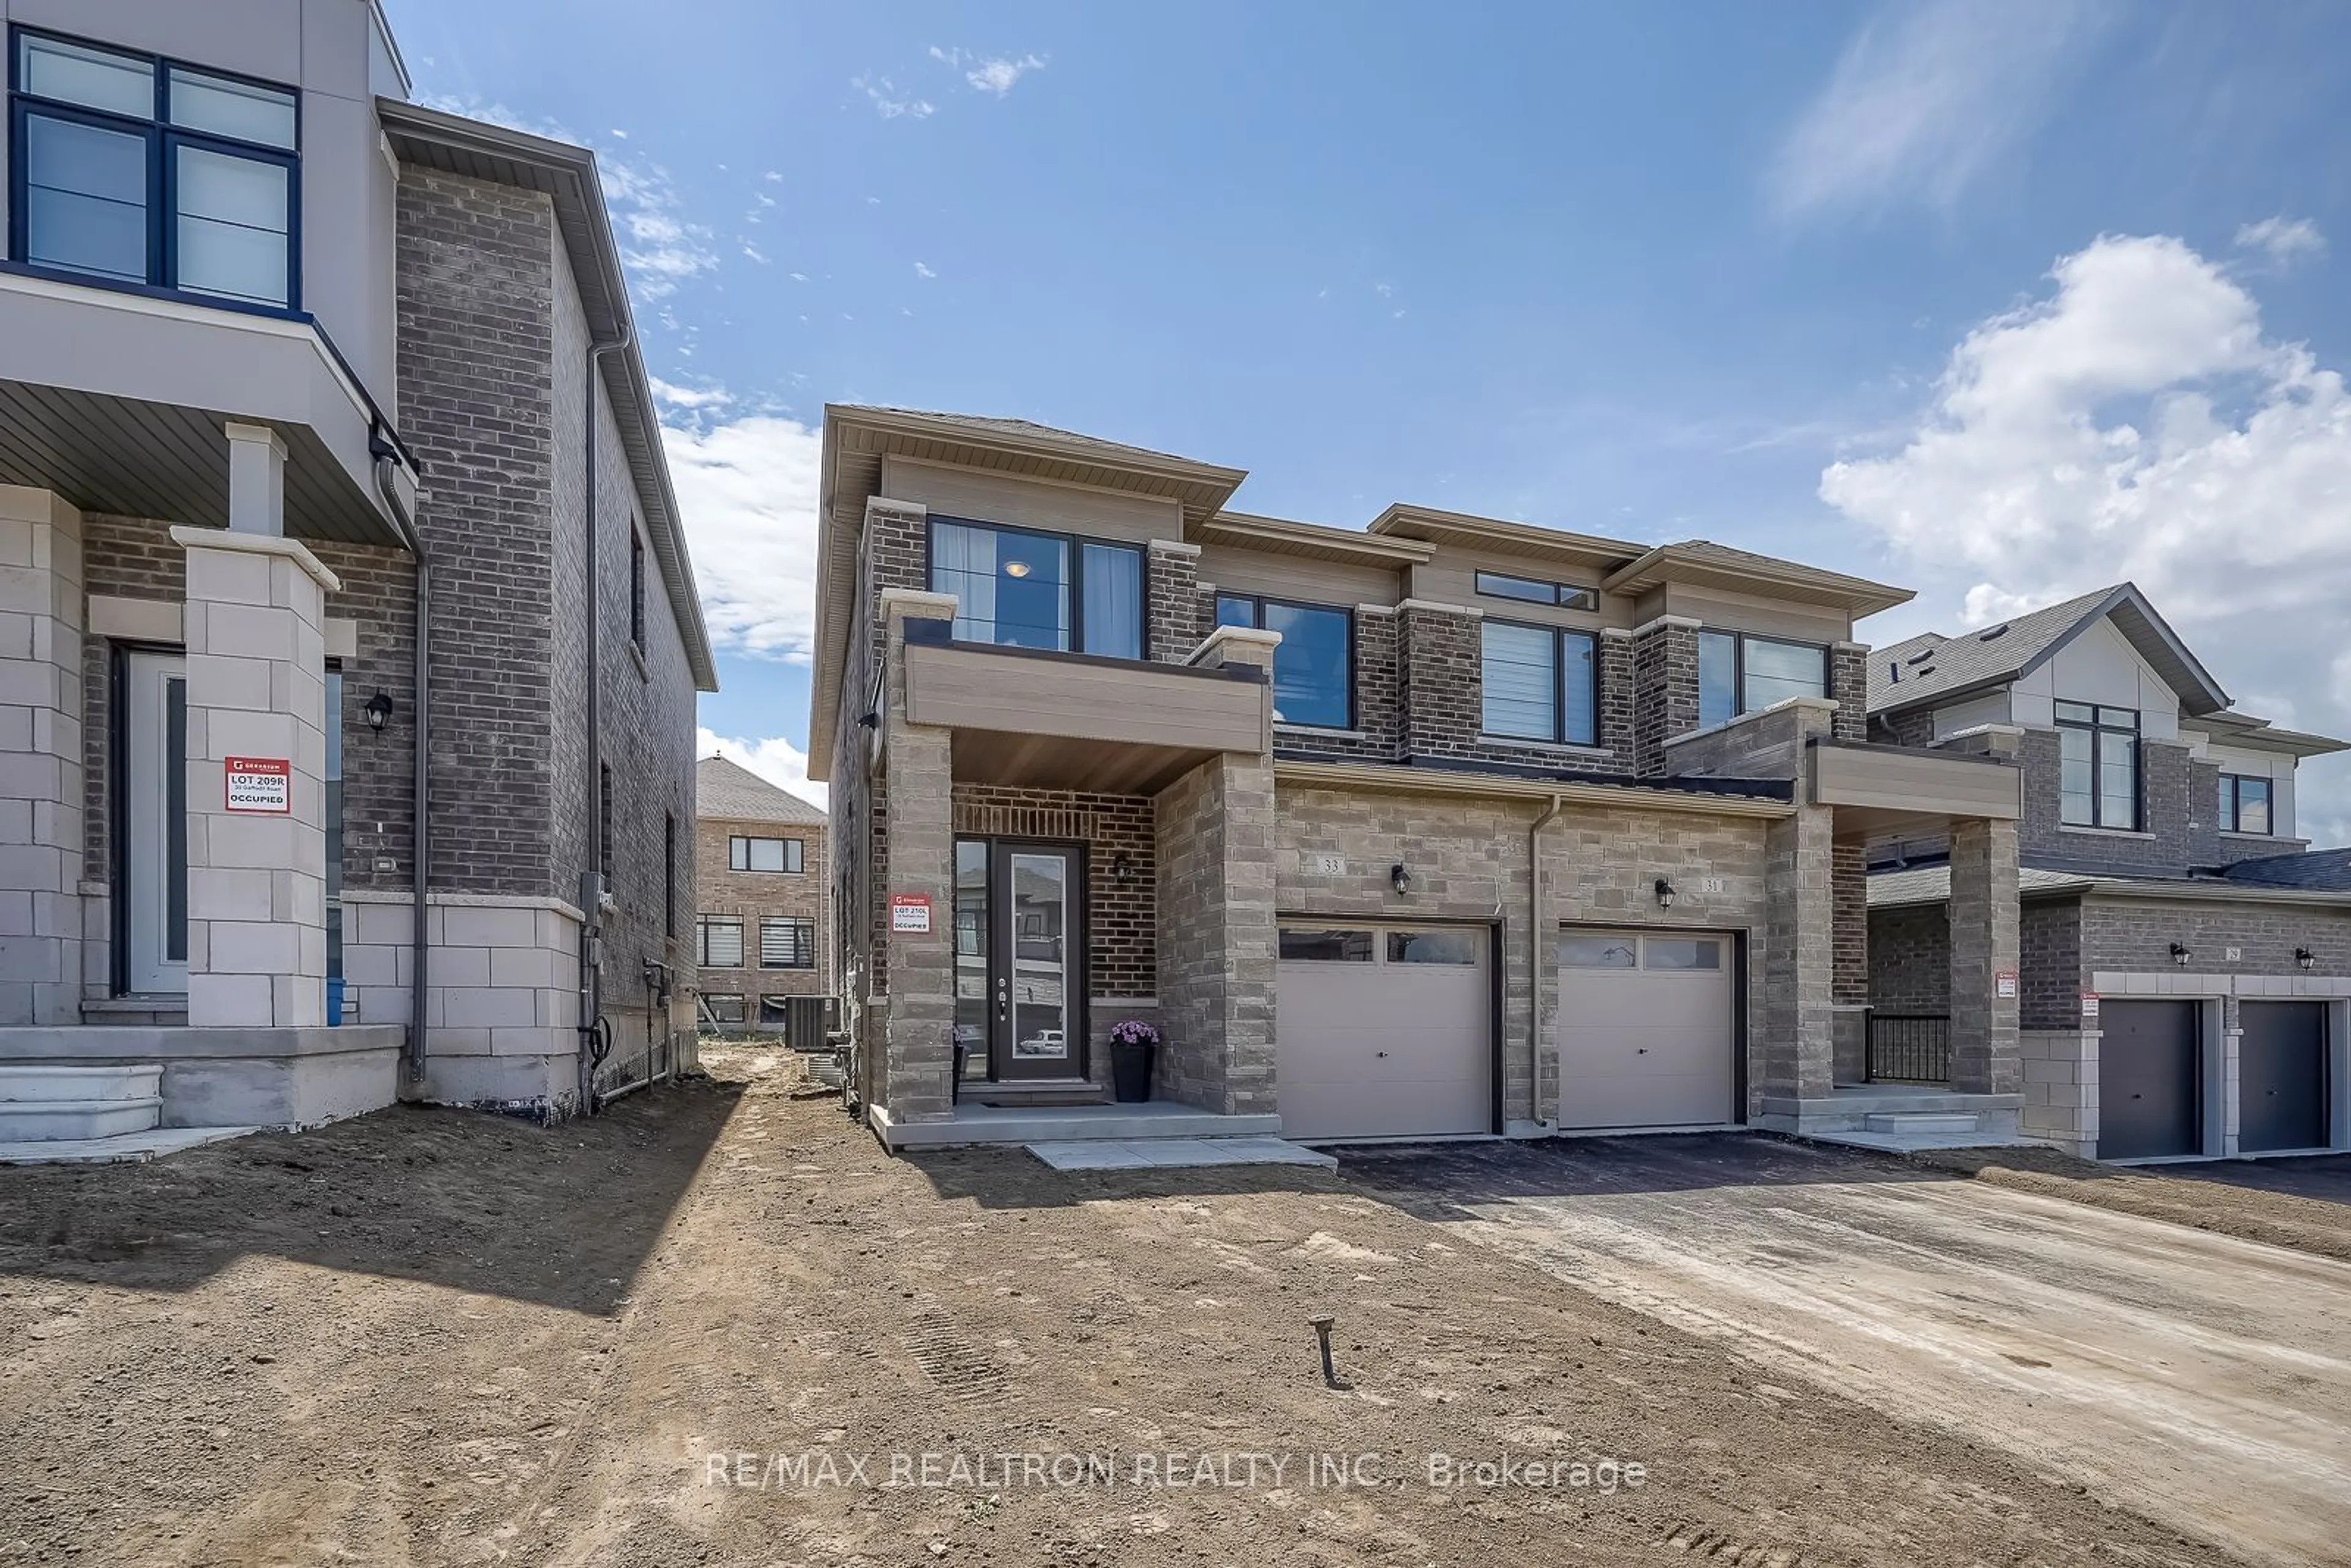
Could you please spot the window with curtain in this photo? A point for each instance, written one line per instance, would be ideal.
(2097, 750)
(1016, 587)
(720, 941)
(1740, 673)
(1538, 682)
(143, 171)
(1314, 667)
(787, 942)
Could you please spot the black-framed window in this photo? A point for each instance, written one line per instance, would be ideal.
(718, 941)
(764, 854)
(1536, 590)
(1538, 682)
(787, 942)
(1738, 673)
(142, 170)
(637, 589)
(1022, 588)
(723, 1008)
(2097, 750)
(2245, 804)
(775, 1012)
(1314, 667)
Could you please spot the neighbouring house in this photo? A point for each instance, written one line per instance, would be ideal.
(1441, 826)
(762, 900)
(343, 576)
(2187, 958)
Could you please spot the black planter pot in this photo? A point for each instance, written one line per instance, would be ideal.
(1130, 1071)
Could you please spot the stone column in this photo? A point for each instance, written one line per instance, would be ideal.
(1216, 924)
(1799, 1051)
(1849, 881)
(257, 653)
(41, 608)
(1984, 946)
(256, 480)
(918, 1028)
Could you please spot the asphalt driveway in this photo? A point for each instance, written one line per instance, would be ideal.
(2198, 1379)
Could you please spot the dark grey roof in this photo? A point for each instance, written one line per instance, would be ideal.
(2328, 870)
(1933, 667)
(1932, 885)
(727, 791)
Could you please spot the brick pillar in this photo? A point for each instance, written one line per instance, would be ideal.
(1984, 946)
(918, 1028)
(1798, 1054)
(256, 688)
(1170, 601)
(1664, 688)
(1215, 925)
(1616, 694)
(1849, 686)
(1849, 899)
(41, 628)
(1438, 663)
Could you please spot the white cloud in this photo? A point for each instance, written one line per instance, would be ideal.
(994, 74)
(2139, 425)
(671, 395)
(922, 271)
(747, 490)
(754, 253)
(887, 103)
(1926, 97)
(2286, 239)
(772, 757)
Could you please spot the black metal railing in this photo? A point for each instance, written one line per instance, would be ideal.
(1910, 1047)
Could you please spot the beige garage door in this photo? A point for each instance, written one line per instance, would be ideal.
(1381, 1032)
(1645, 1034)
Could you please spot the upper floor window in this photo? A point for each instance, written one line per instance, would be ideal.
(1535, 591)
(2097, 750)
(787, 942)
(763, 854)
(1540, 683)
(1739, 674)
(1313, 668)
(144, 171)
(1023, 589)
(2245, 804)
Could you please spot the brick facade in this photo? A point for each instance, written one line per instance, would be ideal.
(1849, 688)
(1121, 855)
(1910, 959)
(2169, 801)
(719, 888)
(1172, 601)
(1665, 689)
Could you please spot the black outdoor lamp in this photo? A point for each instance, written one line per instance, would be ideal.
(1665, 890)
(1400, 878)
(2179, 954)
(1122, 868)
(2305, 957)
(378, 711)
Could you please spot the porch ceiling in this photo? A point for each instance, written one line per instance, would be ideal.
(1058, 762)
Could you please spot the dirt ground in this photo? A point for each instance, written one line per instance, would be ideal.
(430, 1337)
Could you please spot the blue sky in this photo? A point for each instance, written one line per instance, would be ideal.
(2001, 301)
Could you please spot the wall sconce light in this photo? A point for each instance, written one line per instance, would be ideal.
(1665, 890)
(1122, 868)
(378, 711)
(2179, 954)
(869, 721)
(1400, 878)
(2305, 957)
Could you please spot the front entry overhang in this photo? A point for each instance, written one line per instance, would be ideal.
(118, 402)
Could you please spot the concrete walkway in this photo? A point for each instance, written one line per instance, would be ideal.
(1146, 1154)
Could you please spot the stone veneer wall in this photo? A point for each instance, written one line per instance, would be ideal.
(41, 751)
(1216, 936)
(2060, 1089)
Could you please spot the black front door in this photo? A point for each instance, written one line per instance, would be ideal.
(2281, 1076)
(1021, 974)
(2148, 1102)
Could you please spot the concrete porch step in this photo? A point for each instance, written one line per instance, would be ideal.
(53, 1121)
(1177, 1153)
(997, 1124)
(123, 1148)
(1909, 1143)
(1039, 1092)
(1920, 1121)
(34, 1083)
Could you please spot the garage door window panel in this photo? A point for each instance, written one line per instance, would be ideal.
(1312, 945)
(1682, 953)
(1432, 948)
(1599, 953)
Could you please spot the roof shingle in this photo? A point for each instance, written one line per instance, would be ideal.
(727, 792)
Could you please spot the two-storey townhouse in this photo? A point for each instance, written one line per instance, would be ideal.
(1441, 826)
(2186, 959)
(344, 583)
(763, 914)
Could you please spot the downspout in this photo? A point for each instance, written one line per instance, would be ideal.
(595, 1035)
(420, 859)
(1535, 952)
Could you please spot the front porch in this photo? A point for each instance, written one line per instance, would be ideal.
(968, 1124)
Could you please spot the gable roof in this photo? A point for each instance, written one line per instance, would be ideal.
(723, 791)
(1937, 668)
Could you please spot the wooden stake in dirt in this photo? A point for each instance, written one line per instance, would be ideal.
(1322, 1334)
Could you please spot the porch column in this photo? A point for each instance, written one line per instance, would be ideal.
(916, 792)
(256, 480)
(1215, 938)
(256, 691)
(41, 610)
(1984, 947)
(1799, 1051)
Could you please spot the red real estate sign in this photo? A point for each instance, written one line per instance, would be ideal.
(261, 784)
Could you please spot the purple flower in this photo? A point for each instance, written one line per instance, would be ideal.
(1134, 1031)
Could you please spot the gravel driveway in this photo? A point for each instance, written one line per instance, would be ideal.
(2198, 1379)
